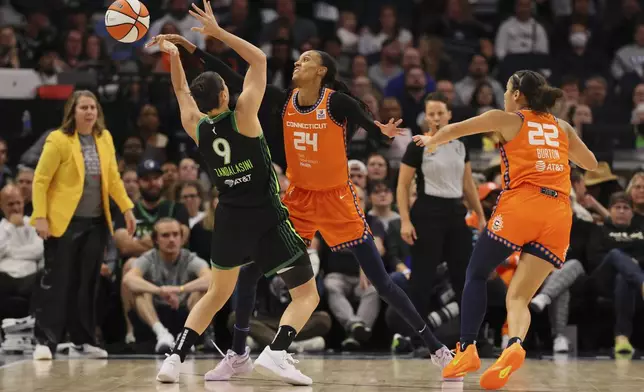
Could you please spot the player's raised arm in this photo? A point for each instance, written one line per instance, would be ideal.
(254, 87)
(190, 114)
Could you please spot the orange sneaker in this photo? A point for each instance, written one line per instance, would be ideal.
(464, 362)
(498, 374)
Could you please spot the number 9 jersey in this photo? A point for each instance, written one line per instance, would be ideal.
(538, 154)
(315, 145)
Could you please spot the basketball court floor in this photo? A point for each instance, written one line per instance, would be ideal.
(330, 373)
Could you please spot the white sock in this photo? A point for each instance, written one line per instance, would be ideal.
(159, 329)
(541, 301)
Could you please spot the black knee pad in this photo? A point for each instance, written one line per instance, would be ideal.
(297, 273)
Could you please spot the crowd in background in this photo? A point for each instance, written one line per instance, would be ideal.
(391, 55)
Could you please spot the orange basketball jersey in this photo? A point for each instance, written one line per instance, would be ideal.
(538, 154)
(315, 145)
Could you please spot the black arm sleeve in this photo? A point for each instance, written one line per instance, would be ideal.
(273, 95)
(342, 107)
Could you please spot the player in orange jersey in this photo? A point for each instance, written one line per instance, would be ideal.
(533, 214)
(318, 116)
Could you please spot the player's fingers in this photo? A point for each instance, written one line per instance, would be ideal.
(413, 234)
(391, 121)
(378, 123)
(208, 8)
(197, 29)
(198, 10)
(200, 18)
(398, 122)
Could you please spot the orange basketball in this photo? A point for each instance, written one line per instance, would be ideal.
(127, 21)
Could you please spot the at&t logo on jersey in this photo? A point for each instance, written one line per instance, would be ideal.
(234, 181)
(497, 223)
(541, 166)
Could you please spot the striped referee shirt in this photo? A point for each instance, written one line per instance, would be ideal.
(439, 173)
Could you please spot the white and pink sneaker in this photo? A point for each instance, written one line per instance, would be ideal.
(232, 365)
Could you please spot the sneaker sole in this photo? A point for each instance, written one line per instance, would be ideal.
(497, 376)
(237, 373)
(269, 373)
(166, 379)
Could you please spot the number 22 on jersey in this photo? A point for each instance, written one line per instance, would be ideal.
(543, 134)
(303, 139)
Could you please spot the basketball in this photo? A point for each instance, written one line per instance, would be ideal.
(127, 21)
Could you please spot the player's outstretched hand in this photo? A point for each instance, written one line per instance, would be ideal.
(168, 47)
(391, 128)
(207, 18)
(175, 39)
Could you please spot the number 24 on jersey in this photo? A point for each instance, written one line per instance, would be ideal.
(305, 140)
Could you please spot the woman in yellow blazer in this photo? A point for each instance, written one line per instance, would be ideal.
(75, 177)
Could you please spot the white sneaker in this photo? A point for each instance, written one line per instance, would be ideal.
(42, 353)
(539, 302)
(17, 325)
(442, 358)
(170, 370)
(165, 343)
(252, 344)
(561, 344)
(87, 351)
(233, 364)
(280, 364)
(505, 339)
(314, 344)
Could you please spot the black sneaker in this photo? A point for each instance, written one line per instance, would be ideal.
(350, 344)
(360, 332)
(422, 352)
(401, 344)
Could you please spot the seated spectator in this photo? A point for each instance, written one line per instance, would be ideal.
(478, 72)
(618, 247)
(372, 40)
(601, 183)
(170, 179)
(377, 168)
(24, 180)
(390, 108)
(521, 33)
(382, 200)
(635, 190)
(5, 173)
(132, 153)
(347, 286)
(388, 67)
(630, 58)
(358, 173)
(584, 205)
(193, 197)
(166, 283)
(131, 182)
(21, 250)
(582, 59)
(303, 29)
(347, 31)
(396, 86)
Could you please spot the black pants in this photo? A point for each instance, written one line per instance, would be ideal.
(65, 299)
(17, 287)
(443, 236)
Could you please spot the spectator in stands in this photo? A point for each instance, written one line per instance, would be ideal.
(191, 195)
(601, 183)
(37, 33)
(388, 28)
(147, 211)
(578, 116)
(436, 62)
(630, 58)
(348, 31)
(389, 65)
(595, 91)
(483, 98)
(570, 88)
(21, 250)
(201, 232)
(396, 86)
(582, 59)
(585, 205)
(157, 146)
(619, 244)
(303, 29)
(362, 85)
(170, 179)
(188, 170)
(5, 173)
(131, 183)
(10, 54)
(347, 285)
(521, 33)
(478, 72)
(412, 102)
(24, 180)
(166, 283)
(72, 50)
(390, 108)
(359, 66)
(635, 190)
(241, 21)
(95, 55)
(377, 168)
(178, 15)
(75, 178)
(623, 27)
(358, 173)
(132, 153)
(280, 63)
(382, 200)
(48, 67)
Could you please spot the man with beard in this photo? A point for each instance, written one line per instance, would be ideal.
(147, 211)
(413, 99)
(478, 72)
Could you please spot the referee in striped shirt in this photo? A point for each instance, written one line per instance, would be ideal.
(435, 226)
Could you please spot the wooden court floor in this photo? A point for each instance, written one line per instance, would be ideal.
(330, 374)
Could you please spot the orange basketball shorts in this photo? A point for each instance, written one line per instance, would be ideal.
(335, 213)
(528, 220)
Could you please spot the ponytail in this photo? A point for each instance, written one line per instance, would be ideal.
(539, 95)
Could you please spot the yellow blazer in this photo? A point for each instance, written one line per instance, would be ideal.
(60, 175)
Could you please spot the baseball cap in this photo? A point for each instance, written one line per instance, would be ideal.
(486, 188)
(148, 166)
